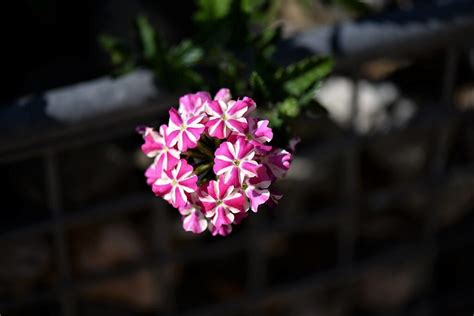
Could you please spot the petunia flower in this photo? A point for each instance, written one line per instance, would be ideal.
(235, 161)
(226, 117)
(184, 132)
(193, 104)
(155, 146)
(152, 173)
(277, 163)
(223, 95)
(221, 201)
(222, 230)
(175, 183)
(237, 147)
(292, 144)
(193, 216)
(256, 189)
(257, 133)
(275, 198)
(251, 105)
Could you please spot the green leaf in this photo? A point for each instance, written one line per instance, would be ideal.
(305, 74)
(126, 67)
(147, 37)
(250, 6)
(266, 40)
(258, 85)
(308, 4)
(269, 36)
(274, 118)
(186, 53)
(120, 56)
(114, 48)
(289, 107)
(309, 95)
(209, 10)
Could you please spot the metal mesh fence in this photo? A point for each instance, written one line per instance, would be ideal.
(311, 261)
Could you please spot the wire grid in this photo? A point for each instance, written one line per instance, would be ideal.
(258, 291)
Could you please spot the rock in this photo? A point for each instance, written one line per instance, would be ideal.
(381, 106)
(464, 97)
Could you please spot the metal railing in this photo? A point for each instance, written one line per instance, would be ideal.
(341, 218)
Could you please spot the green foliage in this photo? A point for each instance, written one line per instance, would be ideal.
(289, 107)
(187, 53)
(257, 85)
(120, 56)
(209, 10)
(303, 75)
(275, 119)
(250, 6)
(235, 50)
(267, 40)
(147, 38)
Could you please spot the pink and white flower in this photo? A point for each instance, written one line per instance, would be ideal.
(227, 145)
(152, 173)
(175, 184)
(251, 105)
(235, 161)
(184, 132)
(221, 201)
(275, 198)
(257, 189)
(225, 230)
(155, 146)
(223, 95)
(193, 104)
(292, 144)
(193, 216)
(222, 230)
(226, 117)
(257, 133)
(277, 163)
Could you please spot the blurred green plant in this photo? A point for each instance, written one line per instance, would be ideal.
(233, 47)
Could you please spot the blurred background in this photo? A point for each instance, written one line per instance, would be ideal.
(377, 215)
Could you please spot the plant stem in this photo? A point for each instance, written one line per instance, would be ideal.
(202, 168)
(203, 149)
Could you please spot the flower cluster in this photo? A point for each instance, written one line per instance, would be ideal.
(213, 161)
